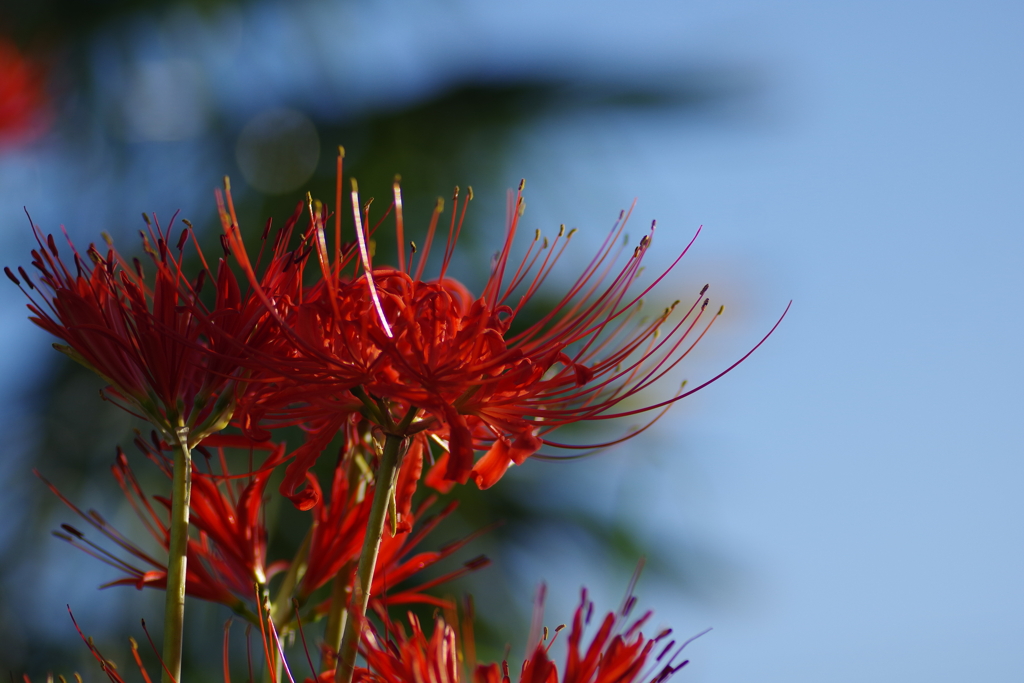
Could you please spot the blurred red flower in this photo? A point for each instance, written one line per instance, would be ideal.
(25, 109)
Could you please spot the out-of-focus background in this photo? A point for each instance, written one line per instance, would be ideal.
(845, 506)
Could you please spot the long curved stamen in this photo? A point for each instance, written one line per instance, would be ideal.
(320, 240)
(438, 209)
(337, 214)
(399, 223)
(453, 239)
(492, 292)
(367, 265)
(713, 379)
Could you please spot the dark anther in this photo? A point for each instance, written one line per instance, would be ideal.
(630, 604)
(478, 562)
(26, 278)
(305, 254)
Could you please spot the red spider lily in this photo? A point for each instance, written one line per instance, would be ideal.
(618, 652)
(397, 562)
(400, 343)
(25, 110)
(408, 658)
(336, 539)
(229, 554)
(164, 352)
(412, 658)
(340, 524)
(107, 666)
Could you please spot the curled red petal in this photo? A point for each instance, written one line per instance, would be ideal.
(490, 468)
(460, 446)
(524, 445)
(435, 478)
(305, 456)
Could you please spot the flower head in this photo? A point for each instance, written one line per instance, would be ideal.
(227, 554)
(167, 356)
(340, 528)
(388, 343)
(617, 652)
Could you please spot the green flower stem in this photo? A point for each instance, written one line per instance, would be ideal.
(174, 607)
(386, 475)
(281, 612)
(336, 619)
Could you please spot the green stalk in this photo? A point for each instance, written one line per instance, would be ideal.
(368, 558)
(280, 612)
(174, 607)
(336, 619)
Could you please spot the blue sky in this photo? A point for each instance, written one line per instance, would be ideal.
(862, 470)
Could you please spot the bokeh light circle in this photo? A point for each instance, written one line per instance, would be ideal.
(278, 150)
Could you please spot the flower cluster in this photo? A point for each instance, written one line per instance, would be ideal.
(618, 653)
(387, 343)
(413, 380)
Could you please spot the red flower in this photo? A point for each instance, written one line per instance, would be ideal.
(228, 554)
(107, 666)
(340, 526)
(411, 658)
(227, 557)
(618, 652)
(25, 111)
(397, 342)
(164, 352)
